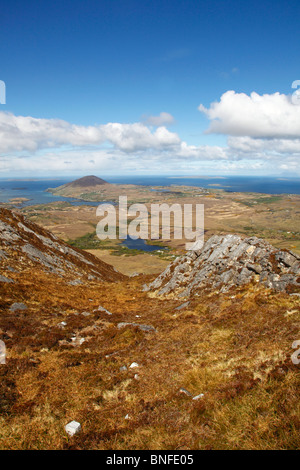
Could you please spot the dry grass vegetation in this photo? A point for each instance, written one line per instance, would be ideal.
(234, 348)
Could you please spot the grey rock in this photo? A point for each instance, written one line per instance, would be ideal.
(287, 258)
(85, 314)
(17, 306)
(256, 268)
(6, 279)
(134, 365)
(73, 428)
(12, 270)
(102, 309)
(52, 262)
(185, 392)
(184, 305)
(197, 397)
(140, 326)
(2, 353)
(75, 282)
(8, 233)
(227, 261)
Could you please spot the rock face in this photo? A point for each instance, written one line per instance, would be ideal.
(24, 245)
(226, 261)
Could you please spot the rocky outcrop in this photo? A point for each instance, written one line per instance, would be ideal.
(227, 261)
(24, 244)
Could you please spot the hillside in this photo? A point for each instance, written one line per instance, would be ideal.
(80, 187)
(25, 246)
(86, 182)
(137, 370)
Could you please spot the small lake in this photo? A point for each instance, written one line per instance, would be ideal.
(140, 244)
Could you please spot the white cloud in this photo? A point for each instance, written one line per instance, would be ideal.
(276, 146)
(203, 152)
(263, 137)
(137, 136)
(19, 133)
(164, 119)
(262, 116)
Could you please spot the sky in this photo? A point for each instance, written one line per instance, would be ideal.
(168, 87)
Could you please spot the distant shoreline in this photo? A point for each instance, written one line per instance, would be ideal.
(198, 177)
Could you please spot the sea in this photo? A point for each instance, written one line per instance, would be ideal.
(35, 189)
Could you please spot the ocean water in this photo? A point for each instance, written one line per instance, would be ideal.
(35, 189)
(255, 184)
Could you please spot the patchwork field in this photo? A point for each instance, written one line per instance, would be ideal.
(275, 218)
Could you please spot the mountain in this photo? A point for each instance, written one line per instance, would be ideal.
(228, 261)
(83, 188)
(86, 182)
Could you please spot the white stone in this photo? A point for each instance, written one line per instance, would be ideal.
(133, 365)
(197, 397)
(73, 428)
(185, 392)
(102, 309)
(2, 353)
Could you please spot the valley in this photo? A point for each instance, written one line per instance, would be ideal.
(138, 370)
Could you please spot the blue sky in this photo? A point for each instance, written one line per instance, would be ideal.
(87, 81)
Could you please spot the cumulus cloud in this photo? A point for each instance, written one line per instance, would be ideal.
(19, 133)
(164, 119)
(250, 145)
(263, 136)
(259, 116)
(137, 136)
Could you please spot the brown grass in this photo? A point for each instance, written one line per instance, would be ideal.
(233, 348)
